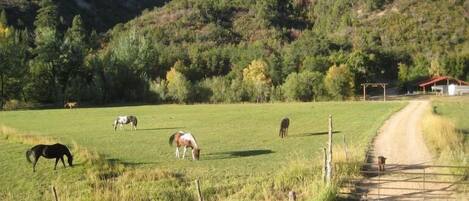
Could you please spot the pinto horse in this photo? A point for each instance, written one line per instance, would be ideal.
(121, 120)
(181, 138)
(284, 127)
(70, 104)
(56, 151)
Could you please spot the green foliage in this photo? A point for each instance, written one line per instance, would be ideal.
(179, 88)
(257, 81)
(304, 86)
(221, 38)
(219, 88)
(3, 17)
(13, 63)
(74, 49)
(47, 15)
(339, 82)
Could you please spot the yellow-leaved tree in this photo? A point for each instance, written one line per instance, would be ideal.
(339, 81)
(179, 87)
(257, 80)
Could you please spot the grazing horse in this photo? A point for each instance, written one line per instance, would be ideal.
(181, 138)
(121, 120)
(70, 104)
(56, 151)
(284, 127)
(381, 163)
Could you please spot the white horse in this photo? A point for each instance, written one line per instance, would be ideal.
(187, 140)
(121, 120)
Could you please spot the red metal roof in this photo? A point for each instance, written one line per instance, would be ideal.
(440, 78)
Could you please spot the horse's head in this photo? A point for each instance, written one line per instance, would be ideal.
(196, 154)
(70, 160)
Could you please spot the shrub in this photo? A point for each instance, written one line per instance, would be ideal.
(304, 86)
(159, 88)
(219, 88)
(257, 81)
(339, 82)
(179, 87)
(16, 104)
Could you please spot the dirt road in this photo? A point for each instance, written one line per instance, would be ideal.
(400, 140)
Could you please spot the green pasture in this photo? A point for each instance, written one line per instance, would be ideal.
(238, 141)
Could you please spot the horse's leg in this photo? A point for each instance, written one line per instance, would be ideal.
(36, 158)
(56, 161)
(193, 156)
(177, 152)
(184, 154)
(62, 159)
(286, 132)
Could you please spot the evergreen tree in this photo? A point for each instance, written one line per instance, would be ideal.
(44, 66)
(73, 53)
(3, 17)
(47, 15)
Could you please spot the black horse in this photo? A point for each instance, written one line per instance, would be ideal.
(56, 151)
(284, 127)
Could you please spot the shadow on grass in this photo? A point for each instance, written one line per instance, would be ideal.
(313, 134)
(238, 154)
(116, 161)
(164, 128)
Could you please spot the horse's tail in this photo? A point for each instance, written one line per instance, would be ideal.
(171, 139)
(135, 123)
(28, 154)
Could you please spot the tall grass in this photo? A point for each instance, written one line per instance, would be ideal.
(444, 140)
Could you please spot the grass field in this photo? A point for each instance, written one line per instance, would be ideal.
(457, 110)
(242, 157)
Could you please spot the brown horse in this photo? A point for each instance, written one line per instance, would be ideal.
(284, 127)
(70, 105)
(181, 138)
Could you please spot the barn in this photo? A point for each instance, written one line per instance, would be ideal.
(445, 85)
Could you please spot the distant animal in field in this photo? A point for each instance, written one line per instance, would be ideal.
(71, 105)
(187, 140)
(56, 151)
(381, 163)
(284, 127)
(121, 120)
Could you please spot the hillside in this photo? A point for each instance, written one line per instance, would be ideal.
(231, 51)
(98, 14)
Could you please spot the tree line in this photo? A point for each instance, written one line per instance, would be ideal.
(212, 51)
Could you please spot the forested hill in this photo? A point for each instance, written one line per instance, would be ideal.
(245, 50)
(99, 15)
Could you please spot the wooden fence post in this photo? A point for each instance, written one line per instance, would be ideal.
(324, 168)
(199, 193)
(346, 149)
(329, 158)
(55, 193)
(291, 196)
